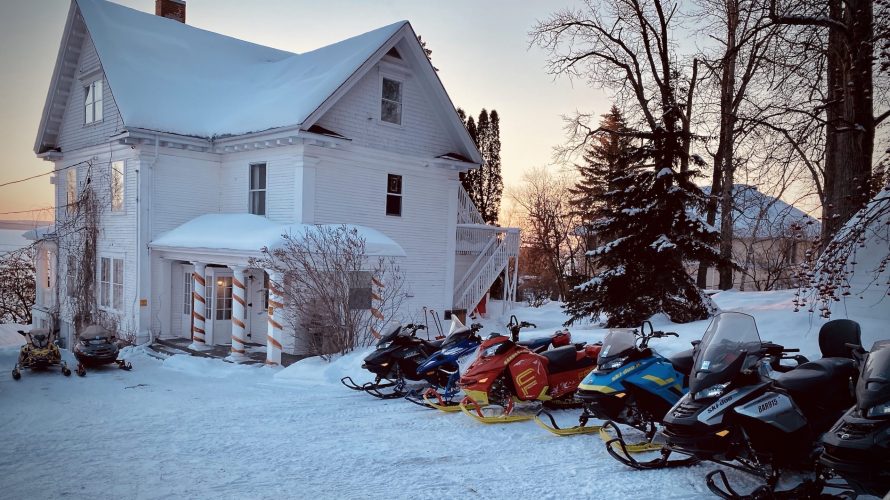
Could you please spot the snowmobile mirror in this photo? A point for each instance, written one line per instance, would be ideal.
(22, 333)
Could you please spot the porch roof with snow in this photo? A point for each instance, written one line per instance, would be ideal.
(242, 236)
(170, 77)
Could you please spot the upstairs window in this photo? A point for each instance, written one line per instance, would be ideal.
(394, 194)
(117, 186)
(257, 189)
(92, 102)
(391, 102)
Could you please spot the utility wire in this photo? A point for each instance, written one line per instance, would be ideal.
(43, 174)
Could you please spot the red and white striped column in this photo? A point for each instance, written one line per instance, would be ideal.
(199, 303)
(275, 314)
(239, 302)
(377, 306)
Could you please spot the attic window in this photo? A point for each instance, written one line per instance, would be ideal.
(394, 53)
(391, 102)
(92, 102)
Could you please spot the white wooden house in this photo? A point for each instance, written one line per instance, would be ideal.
(205, 148)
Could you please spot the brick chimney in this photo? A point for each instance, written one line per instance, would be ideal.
(171, 9)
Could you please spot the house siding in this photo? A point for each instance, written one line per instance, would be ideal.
(280, 196)
(357, 116)
(351, 188)
(74, 134)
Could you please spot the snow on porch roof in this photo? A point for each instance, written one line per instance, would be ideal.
(171, 77)
(248, 234)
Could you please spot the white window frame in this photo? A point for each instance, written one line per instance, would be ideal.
(188, 278)
(93, 96)
(256, 191)
(223, 298)
(400, 195)
(117, 185)
(111, 289)
(401, 102)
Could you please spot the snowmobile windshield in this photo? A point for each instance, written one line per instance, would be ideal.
(617, 343)
(389, 333)
(873, 387)
(457, 337)
(730, 343)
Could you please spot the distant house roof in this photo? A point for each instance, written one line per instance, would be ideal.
(247, 234)
(761, 215)
(171, 77)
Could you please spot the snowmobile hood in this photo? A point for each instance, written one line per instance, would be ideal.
(873, 387)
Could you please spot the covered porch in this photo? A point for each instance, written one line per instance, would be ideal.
(220, 299)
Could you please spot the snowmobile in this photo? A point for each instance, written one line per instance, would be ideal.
(456, 348)
(40, 353)
(742, 413)
(395, 360)
(506, 372)
(857, 448)
(632, 385)
(97, 346)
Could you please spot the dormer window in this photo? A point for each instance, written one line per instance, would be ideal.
(93, 102)
(391, 102)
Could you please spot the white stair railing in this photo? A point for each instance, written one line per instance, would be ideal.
(485, 270)
(467, 213)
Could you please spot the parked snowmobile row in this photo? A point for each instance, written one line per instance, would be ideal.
(732, 399)
(95, 347)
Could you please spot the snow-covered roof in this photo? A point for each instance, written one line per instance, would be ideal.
(39, 233)
(171, 77)
(761, 215)
(248, 234)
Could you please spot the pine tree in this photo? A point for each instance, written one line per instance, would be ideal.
(485, 185)
(649, 219)
(607, 155)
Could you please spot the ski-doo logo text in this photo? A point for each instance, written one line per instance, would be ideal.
(722, 401)
(766, 406)
(625, 371)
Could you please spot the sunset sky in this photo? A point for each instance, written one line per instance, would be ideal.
(480, 47)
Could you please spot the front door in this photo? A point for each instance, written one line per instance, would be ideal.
(220, 314)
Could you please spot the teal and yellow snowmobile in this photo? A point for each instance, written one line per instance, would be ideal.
(632, 385)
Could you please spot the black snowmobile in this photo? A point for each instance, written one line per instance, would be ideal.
(97, 346)
(742, 413)
(395, 361)
(857, 448)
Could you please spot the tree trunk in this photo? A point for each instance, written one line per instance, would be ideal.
(727, 138)
(849, 112)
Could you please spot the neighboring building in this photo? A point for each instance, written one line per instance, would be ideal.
(770, 237)
(205, 148)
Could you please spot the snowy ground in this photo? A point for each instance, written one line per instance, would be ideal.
(199, 428)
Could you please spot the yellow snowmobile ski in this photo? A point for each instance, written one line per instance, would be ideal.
(439, 403)
(640, 447)
(475, 411)
(571, 431)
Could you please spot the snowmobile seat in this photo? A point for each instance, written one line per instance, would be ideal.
(682, 361)
(563, 359)
(535, 344)
(836, 334)
(820, 382)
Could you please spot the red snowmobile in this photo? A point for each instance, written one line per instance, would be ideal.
(506, 373)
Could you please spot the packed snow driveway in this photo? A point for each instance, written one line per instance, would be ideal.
(198, 428)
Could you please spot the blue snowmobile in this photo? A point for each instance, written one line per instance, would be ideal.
(632, 384)
(455, 351)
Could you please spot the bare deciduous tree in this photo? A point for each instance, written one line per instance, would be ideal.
(331, 288)
(549, 222)
(17, 285)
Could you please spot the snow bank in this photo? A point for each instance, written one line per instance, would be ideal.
(215, 232)
(208, 367)
(9, 335)
(316, 371)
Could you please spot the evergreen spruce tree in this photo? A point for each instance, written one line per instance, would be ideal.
(607, 155)
(485, 185)
(649, 217)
